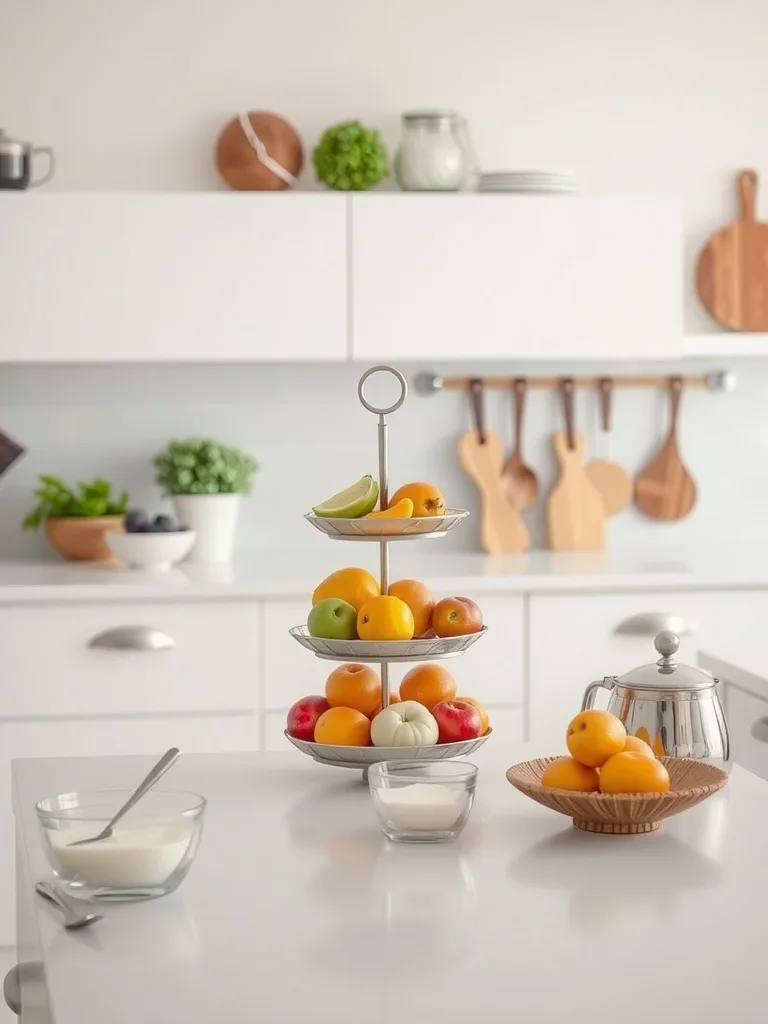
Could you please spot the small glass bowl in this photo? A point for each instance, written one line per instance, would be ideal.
(148, 855)
(422, 801)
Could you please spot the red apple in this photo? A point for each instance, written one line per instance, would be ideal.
(457, 720)
(302, 717)
(456, 616)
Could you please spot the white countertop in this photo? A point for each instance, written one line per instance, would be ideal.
(298, 910)
(297, 573)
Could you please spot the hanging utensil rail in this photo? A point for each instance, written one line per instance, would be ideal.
(431, 383)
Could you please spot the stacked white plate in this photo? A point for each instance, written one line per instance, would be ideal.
(527, 181)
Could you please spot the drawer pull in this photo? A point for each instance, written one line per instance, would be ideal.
(12, 990)
(133, 638)
(650, 623)
(760, 730)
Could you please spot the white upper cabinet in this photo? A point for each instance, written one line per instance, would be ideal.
(173, 276)
(524, 277)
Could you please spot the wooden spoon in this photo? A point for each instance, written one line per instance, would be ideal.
(518, 481)
(481, 454)
(665, 489)
(611, 480)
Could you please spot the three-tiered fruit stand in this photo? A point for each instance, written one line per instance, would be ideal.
(385, 652)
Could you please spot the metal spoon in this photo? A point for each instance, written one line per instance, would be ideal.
(518, 481)
(71, 917)
(162, 766)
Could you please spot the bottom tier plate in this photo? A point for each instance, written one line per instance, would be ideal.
(363, 757)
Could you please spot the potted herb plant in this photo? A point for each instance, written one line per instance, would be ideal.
(205, 479)
(76, 520)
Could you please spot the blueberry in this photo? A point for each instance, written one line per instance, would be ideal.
(163, 524)
(143, 528)
(134, 520)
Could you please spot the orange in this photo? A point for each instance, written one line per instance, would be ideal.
(385, 618)
(343, 727)
(402, 510)
(484, 720)
(428, 684)
(355, 586)
(594, 736)
(353, 686)
(394, 698)
(568, 773)
(638, 746)
(427, 499)
(419, 599)
(633, 772)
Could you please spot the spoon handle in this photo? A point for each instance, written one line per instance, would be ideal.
(52, 895)
(166, 761)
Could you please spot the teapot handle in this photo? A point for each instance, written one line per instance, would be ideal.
(591, 691)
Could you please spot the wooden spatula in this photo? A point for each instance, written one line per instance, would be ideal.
(481, 455)
(665, 489)
(732, 270)
(575, 514)
(611, 480)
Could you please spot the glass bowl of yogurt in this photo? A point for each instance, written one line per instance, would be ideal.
(148, 854)
(422, 801)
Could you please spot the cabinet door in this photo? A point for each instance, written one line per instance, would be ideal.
(171, 276)
(530, 277)
(747, 718)
(575, 639)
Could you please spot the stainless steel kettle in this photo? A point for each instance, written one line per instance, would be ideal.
(675, 708)
(16, 163)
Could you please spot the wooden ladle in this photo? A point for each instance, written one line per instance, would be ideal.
(518, 481)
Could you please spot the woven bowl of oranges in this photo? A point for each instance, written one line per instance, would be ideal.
(614, 783)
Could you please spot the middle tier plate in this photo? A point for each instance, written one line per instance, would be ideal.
(388, 529)
(386, 650)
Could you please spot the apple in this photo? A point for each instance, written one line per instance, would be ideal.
(301, 718)
(457, 720)
(456, 616)
(333, 619)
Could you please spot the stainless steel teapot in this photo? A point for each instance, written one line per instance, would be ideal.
(675, 708)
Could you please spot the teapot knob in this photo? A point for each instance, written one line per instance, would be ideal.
(666, 643)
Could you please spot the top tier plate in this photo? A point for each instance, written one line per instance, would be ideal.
(388, 529)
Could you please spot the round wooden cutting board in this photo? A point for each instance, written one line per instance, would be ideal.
(732, 270)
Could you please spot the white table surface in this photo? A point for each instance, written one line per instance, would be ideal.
(298, 909)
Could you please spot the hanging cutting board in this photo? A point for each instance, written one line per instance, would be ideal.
(481, 454)
(665, 489)
(732, 270)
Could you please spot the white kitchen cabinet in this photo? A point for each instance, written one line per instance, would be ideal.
(173, 276)
(575, 639)
(103, 736)
(508, 276)
(747, 717)
(290, 671)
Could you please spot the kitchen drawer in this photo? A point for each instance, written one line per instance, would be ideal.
(49, 669)
(101, 737)
(492, 670)
(575, 639)
(745, 713)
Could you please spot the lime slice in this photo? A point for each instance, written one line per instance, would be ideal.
(357, 500)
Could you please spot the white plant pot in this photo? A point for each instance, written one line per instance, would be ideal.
(213, 517)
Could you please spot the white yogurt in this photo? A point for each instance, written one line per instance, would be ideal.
(422, 806)
(134, 857)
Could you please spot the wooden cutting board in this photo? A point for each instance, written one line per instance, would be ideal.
(732, 270)
(502, 530)
(665, 489)
(575, 513)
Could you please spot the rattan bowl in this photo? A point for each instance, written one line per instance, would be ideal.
(623, 814)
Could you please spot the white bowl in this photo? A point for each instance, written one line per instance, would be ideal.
(155, 551)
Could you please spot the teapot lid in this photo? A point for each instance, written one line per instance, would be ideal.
(666, 673)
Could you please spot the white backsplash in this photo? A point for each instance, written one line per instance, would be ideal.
(311, 437)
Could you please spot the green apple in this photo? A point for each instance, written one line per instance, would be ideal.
(333, 619)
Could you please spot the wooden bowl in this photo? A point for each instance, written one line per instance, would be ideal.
(82, 538)
(236, 159)
(623, 814)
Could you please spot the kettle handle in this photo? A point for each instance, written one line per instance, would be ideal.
(607, 683)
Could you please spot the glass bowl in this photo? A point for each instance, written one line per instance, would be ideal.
(148, 855)
(422, 801)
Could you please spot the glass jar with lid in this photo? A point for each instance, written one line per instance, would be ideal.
(435, 154)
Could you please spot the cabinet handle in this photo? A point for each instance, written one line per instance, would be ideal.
(760, 730)
(12, 990)
(650, 623)
(133, 638)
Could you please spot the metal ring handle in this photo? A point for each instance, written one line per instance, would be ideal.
(372, 408)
